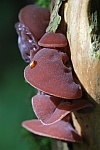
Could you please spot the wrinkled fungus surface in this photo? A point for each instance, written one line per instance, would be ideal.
(26, 41)
(51, 75)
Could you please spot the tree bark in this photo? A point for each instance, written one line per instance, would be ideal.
(83, 32)
(83, 35)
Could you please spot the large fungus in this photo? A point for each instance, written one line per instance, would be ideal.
(51, 76)
(36, 18)
(50, 72)
(55, 108)
(52, 40)
(62, 130)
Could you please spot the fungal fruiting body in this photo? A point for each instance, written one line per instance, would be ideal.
(51, 73)
(61, 130)
(30, 30)
(35, 18)
(53, 40)
(55, 108)
(26, 41)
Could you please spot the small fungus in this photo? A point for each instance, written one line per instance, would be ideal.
(26, 42)
(52, 40)
(35, 18)
(56, 108)
(51, 76)
(50, 103)
(61, 130)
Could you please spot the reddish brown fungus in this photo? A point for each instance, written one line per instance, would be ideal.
(50, 103)
(50, 71)
(51, 76)
(52, 40)
(36, 18)
(55, 108)
(62, 130)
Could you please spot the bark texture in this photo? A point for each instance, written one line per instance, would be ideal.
(83, 32)
(83, 35)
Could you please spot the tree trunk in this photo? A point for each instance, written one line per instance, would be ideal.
(83, 32)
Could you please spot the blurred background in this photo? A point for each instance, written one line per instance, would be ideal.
(15, 93)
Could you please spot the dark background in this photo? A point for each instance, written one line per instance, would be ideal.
(15, 93)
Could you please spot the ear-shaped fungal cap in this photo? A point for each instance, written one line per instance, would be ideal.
(50, 109)
(52, 40)
(36, 18)
(44, 107)
(61, 130)
(51, 76)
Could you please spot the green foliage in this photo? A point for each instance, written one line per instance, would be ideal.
(36, 142)
(43, 3)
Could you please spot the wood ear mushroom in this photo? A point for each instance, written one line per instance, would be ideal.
(50, 71)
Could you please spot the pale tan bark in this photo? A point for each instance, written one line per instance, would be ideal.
(87, 69)
(86, 66)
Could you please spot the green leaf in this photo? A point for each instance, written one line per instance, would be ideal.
(43, 3)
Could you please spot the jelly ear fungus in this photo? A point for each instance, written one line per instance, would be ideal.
(53, 40)
(50, 72)
(56, 108)
(26, 42)
(35, 18)
(51, 75)
(61, 130)
(30, 30)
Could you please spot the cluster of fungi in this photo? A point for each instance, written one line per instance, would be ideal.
(50, 71)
